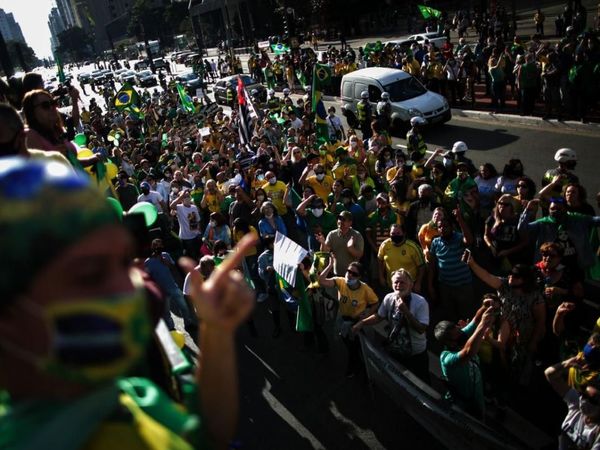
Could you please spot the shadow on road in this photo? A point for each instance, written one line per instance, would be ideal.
(476, 138)
(293, 398)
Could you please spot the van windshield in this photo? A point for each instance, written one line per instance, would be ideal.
(405, 89)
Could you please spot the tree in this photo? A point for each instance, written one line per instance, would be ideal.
(75, 42)
(29, 57)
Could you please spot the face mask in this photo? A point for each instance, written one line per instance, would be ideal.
(353, 144)
(272, 180)
(93, 340)
(317, 212)
(352, 282)
(320, 176)
(213, 223)
(396, 239)
(587, 408)
(269, 215)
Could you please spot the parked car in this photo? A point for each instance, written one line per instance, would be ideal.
(128, 77)
(160, 63)
(181, 57)
(117, 73)
(140, 65)
(189, 59)
(190, 81)
(230, 82)
(433, 38)
(408, 96)
(146, 78)
(84, 77)
(98, 76)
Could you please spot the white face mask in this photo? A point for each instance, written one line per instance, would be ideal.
(320, 176)
(353, 144)
(272, 180)
(352, 282)
(317, 212)
(213, 223)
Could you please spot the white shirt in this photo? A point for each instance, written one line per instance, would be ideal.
(334, 124)
(153, 197)
(419, 308)
(189, 221)
(296, 123)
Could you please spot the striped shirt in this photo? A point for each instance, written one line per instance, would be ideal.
(448, 253)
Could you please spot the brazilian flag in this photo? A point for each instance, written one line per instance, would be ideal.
(321, 79)
(280, 49)
(186, 100)
(428, 12)
(127, 99)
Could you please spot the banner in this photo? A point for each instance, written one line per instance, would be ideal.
(286, 257)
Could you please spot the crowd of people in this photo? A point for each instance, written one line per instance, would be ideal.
(482, 264)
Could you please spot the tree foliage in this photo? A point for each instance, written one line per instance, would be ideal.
(75, 42)
(28, 54)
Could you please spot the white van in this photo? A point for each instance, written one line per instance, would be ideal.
(408, 96)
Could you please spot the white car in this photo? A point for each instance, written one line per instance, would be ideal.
(432, 37)
(408, 96)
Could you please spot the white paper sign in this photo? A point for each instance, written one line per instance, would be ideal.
(286, 257)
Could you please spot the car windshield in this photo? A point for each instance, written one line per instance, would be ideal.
(245, 78)
(405, 89)
(187, 76)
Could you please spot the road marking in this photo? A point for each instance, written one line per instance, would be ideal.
(366, 436)
(263, 362)
(286, 415)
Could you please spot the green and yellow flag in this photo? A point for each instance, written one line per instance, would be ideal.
(60, 72)
(127, 99)
(427, 12)
(186, 100)
(321, 78)
(280, 49)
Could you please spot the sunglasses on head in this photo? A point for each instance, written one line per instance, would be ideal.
(47, 104)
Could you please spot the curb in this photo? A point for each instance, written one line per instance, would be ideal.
(530, 121)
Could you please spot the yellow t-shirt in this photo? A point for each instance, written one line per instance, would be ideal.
(321, 188)
(238, 235)
(407, 256)
(354, 302)
(275, 193)
(212, 202)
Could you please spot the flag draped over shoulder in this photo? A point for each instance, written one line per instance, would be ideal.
(186, 100)
(321, 79)
(427, 12)
(127, 99)
(297, 295)
(247, 112)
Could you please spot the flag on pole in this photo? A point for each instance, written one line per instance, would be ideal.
(280, 49)
(59, 68)
(186, 100)
(127, 99)
(321, 78)
(247, 112)
(428, 12)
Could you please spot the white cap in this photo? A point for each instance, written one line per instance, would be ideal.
(417, 120)
(385, 95)
(564, 155)
(286, 91)
(459, 147)
(364, 94)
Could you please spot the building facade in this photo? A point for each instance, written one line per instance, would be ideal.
(10, 29)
